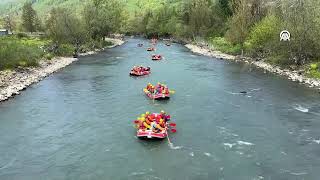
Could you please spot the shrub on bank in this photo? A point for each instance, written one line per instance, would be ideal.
(264, 36)
(221, 44)
(314, 70)
(16, 52)
(65, 50)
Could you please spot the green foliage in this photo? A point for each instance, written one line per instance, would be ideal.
(221, 44)
(21, 35)
(103, 17)
(65, 50)
(314, 66)
(280, 59)
(48, 56)
(64, 27)
(16, 52)
(314, 70)
(30, 21)
(264, 36)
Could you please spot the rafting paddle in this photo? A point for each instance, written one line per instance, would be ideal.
(173, 130)
(173, 124)
(136, 121)
(172, 91)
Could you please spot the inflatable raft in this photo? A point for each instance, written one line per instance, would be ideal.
(158, 96)
(156, 57)
(154, 126)
(141, 133)
(150, 49)
(144, 72)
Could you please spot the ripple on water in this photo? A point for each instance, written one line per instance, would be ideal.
(301, 108)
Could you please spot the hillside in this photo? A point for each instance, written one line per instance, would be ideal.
(41, 6)
(44, 6)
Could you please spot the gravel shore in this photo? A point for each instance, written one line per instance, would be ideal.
(290, 74)
(13, 81)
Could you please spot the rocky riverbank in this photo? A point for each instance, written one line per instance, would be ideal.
(292, 75)
(13, 81)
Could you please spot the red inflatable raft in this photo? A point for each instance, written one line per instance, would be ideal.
(151, 49)
(156, 57)
(141, 133)
(154, 126)
(158, 96)
(142, 72)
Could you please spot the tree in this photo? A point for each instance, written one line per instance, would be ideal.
(29, 18)
(225, 6)
(301, 19)
(240, 23)
(64, 27)
(200, 17)
(103, 17)
(9, 23)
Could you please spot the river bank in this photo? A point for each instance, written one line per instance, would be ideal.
(293, 75)
(14, 81)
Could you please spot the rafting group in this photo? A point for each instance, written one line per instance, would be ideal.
(153, 125)
(140, 71)
(157, 92)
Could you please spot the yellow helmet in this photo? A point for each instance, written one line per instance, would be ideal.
(162, 111)
(147, 113)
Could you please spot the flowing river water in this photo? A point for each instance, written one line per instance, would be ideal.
(77, 123)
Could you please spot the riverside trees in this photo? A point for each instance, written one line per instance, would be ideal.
(251, 26)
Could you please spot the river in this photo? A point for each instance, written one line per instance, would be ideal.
(77, 123)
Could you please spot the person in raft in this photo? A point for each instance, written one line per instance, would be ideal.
(154, 122)
(158, 89)
(140, 69)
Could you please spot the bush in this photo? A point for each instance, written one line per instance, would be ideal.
(280, 59)
(221, 44)
(264, 35)
(21, 35)
(314, 66)
(16, 52)
(65, 50)
(48, 56)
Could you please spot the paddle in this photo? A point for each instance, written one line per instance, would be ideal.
(136, 121)
(172, 91)
(173, 124)
(173, 130)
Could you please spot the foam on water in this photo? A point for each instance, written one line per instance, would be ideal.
(230, 145)
(298, 174)
(245, 143)
(207, 154)
(191, 154)
(301, 109)
(174, 147)
(316, 141)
